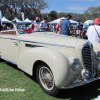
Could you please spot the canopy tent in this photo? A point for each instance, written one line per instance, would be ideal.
(17, 20)
(88, 22)
(59, 19)
(56, 21)
(27, 20)
(73, 22)
(5, 20)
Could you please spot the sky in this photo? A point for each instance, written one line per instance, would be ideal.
(70, 6)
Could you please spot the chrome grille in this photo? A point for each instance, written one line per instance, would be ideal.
(87, 53)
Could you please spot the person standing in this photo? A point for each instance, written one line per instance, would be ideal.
(58, 26)
(43, 24)
(0, 25)
(37, 24)
(65, 27)
(93, 32)
(80, 29)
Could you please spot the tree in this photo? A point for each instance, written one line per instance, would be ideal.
(62, 14)
(92, 13)
(35, 5)
(31, 8)
(53, 15)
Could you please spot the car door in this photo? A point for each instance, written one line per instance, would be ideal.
(9, 48)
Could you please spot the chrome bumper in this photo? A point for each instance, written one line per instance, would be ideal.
(81, 83)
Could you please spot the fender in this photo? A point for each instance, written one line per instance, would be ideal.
(96, 49)
(58, 63)
(96, 46)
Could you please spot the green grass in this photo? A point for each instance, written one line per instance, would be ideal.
(11, 77)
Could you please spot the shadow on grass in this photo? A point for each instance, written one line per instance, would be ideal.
(85, 92)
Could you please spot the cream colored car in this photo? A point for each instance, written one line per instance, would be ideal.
(57, 61)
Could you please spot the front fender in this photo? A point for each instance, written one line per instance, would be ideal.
(56, 60)
(96, 49)
(96, 46)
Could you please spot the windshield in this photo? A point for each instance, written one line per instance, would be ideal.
(33, 27)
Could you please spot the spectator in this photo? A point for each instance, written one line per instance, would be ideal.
(80, 29)
(58, 26)
(93, 32)
(43, 24)
(8, 27)
(0, 27)
(65, 27)
(37, 19)
(37, 24)
(53, 26)
(4, 27)
(87, 26)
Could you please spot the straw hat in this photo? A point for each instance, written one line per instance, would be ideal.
(96, 21)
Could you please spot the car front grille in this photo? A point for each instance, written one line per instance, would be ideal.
(87, 56)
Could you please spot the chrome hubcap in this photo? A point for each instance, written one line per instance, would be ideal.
(46, 78)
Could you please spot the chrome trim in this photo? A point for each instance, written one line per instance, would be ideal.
(91, 47)
(98, 52)
(81, 83)
(40, 42)
(8, 61)
(74, 60)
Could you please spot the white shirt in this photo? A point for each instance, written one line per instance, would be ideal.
(37, 26)
(43, 24)
(92, 34)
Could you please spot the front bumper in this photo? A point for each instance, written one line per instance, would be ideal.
(81, 83)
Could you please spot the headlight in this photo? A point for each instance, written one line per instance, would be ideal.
(98, 55)
(75, 64)
(85, 73)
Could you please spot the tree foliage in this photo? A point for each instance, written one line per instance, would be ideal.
(13, 8)
(90, 14)
(53, 15)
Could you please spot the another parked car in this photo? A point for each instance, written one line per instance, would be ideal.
(57, 61)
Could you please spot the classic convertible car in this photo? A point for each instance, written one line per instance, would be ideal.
(57, 61)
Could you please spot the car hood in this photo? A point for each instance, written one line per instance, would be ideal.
(50, 39)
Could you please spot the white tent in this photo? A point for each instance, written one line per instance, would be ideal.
(56, 21)
(5, 20)
(59, 19)
(17, 20)
(88, 22)
(73, 22)
(27, 20)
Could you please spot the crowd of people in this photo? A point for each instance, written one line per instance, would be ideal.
(65, 28)
(90, 32)
(6, 27)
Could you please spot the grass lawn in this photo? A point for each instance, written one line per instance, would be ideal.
(12, 78)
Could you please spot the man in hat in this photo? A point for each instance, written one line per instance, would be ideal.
(65, 27)
(93, 32)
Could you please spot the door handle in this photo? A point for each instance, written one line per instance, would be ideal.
(15, 43)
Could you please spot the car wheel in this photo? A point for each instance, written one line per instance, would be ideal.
(45, 79)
